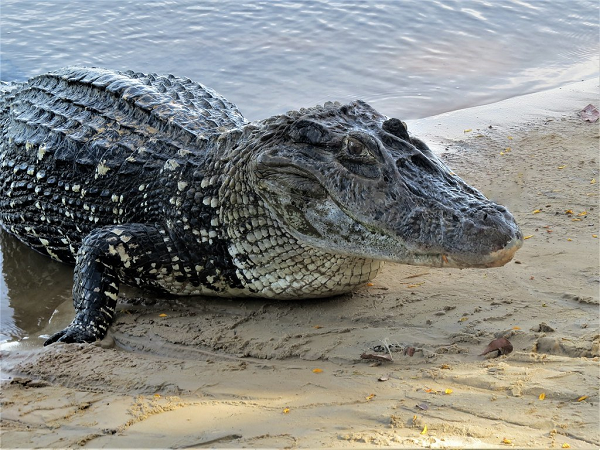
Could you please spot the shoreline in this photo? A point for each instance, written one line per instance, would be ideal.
(513, 112)
(242, 373)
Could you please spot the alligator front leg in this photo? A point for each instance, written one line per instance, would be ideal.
(109, 255)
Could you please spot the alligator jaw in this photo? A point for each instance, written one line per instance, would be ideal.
(497, 258)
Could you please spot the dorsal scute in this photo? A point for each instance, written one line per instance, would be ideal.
(181, 100)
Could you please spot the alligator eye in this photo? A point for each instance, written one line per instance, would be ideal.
(356, 149)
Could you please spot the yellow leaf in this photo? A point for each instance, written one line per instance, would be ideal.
(157, 395)
(575, 220)
(582, 398)
(316, 327)
(528, 237)
(463, 319)
(371, 396)
(424, 430)
(593, 181)
(510, 137)
(536, 211)
(582, 213)
(594, 235)
(565, 445)
(569, 211)
(506, 441)
(507, 149)
(502, 153)
(468, 130)
(561, 167)
(448, 391)
(542, 396)
(162, 315)
(317, 370)
(286, 410)
(516, 328)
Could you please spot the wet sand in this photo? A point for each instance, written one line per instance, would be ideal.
(195, 372)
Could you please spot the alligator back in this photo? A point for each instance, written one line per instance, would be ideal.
(78, 147)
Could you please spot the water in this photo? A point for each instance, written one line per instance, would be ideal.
(409, 59)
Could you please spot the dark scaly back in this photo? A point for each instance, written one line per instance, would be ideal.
(76, 146)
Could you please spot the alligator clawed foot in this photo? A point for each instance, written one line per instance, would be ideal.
(71, 335)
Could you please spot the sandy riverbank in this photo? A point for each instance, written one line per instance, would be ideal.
(242, 373)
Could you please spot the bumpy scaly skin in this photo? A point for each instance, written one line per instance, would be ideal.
(159, 182)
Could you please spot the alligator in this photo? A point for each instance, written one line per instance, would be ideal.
(160, 183)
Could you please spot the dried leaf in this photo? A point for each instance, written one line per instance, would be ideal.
(317, 370)
(162, 315)
(583, 213)
(561, 167)
(286, 410)
(506, 441)
(542, 396)
(594, 235)
(448, 391)
(468, 130)
(593, 181)
(501, 345)
(582, 398)
(370, 397)
(569, 211)
(316, 327)
(376, 357)
(528, 237)
(516, 328)
(424, 430)
(589, 113)
(537, 211)
(565, 445)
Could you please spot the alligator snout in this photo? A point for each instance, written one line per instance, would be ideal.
(488, 237)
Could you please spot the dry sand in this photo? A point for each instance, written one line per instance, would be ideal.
(240, 373)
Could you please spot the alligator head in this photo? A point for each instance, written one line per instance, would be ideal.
(348, 180)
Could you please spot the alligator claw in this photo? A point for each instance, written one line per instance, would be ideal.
(70, 335)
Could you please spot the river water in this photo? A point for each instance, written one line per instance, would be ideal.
(407, 58)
